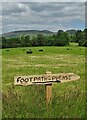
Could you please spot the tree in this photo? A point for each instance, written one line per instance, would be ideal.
(40, 40)
(78, 35)
(72, 38)
(61, 39)
(50, 40)
(83, 38)
(59, 33)
(22, 42)
(4, 42)
(27, 41)
(34, 41)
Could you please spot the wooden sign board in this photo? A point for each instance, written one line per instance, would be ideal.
(45, 79)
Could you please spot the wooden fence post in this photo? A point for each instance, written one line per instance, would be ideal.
(48, 90)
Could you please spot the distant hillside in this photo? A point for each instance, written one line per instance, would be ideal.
(26, 32)
(71, 32)
(33, 32)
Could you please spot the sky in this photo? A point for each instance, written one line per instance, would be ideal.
(51, 16)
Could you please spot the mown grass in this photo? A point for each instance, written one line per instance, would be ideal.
(68, 99)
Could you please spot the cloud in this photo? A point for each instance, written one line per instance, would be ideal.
(42, 15)
(43, 0)
(12, 8)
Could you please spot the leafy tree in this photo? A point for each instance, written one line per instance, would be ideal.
(72, 38)
(78, 35)
(83, 38)
(50, 40)
(4, 42)
(62, 38)
(40, 40)
(22, 41)
(59, 33)
(34, 41)
(27, 41)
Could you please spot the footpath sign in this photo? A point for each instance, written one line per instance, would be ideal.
(48, 78)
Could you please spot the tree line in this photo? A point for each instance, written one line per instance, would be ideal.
(61, 38)
(80, 37)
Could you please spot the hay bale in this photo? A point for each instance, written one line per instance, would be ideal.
(41, 50)
(7, 50)
(67, 48)
(29, 51)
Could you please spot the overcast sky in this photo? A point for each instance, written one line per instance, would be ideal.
(42, 16)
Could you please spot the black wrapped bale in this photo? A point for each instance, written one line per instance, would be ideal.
(41, 50)
(29, 52)
(67, 48)
(7, 50)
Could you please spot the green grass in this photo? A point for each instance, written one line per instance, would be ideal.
(68, 99)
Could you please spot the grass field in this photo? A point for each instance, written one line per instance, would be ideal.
(68, 99)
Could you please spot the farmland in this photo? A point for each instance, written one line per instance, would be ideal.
(68, 99)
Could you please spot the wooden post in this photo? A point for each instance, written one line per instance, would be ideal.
(48, 90)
